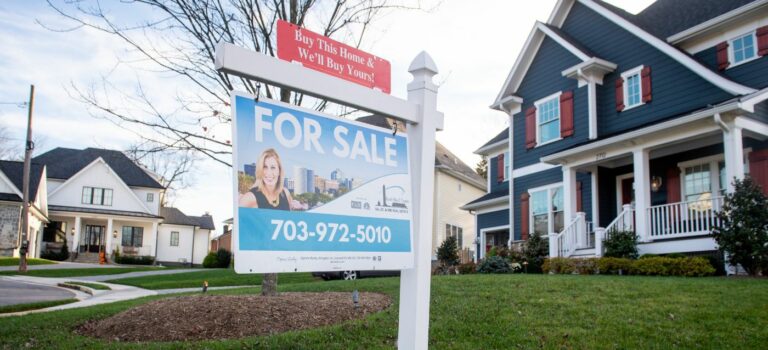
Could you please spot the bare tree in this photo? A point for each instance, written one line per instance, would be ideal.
(182, 40)
(8, 150)
(172, 168)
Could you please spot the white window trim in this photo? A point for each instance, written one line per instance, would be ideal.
(714, 171)
(559, 117)
(178, 238)
(619, 178)
(550, 219)
(731, 56)
(506, 162)
(624, 76)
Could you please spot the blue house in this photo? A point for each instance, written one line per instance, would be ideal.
(628, 122)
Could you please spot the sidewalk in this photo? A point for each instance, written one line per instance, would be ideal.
(138, 274)
(63, 265)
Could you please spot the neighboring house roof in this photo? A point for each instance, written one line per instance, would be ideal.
(173, 216)
(488, 198)
(444, 159)
(204, 222)
(63, 163)
(502, 136)
(15, 172)
(102, 211)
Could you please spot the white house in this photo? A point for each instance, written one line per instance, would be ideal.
(11, 175)
(183, 239)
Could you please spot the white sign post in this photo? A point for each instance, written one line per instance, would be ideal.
(419, 111)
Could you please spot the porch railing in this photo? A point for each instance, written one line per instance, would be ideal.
(625, 221)
(573, 236)
(684, 218)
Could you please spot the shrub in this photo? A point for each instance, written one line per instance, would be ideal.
(494, 264)
(211, 261)
(135, 260)
(557, 265)
(621, 244)
(467, 268)
(448, 252)
(586, 266)
(535, 250)
(223, 257)
(612, 266)
(669, 266)
(61, 255)
(743, 232)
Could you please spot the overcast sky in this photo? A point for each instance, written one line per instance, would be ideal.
(473, 43)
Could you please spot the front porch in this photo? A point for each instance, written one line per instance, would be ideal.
(89, 234)
(666, 186)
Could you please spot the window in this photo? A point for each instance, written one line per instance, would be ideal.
(547, 210)
(698, 184)
(742, 49)
(150, 197)
(455, 231)
(548, 119)
(132, 236)
(705, 178)
(97, 196)
(633, 92)
(174, 239)
(506, 166)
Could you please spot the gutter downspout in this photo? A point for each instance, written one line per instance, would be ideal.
(511, 178)
(719, 121)
(192, 256)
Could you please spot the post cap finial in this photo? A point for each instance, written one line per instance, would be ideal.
(423, 61)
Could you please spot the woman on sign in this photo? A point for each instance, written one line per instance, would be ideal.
(267, 191)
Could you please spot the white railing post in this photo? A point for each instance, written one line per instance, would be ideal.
(599, 236)
(581, 230)
(553, 246)
(626, 217)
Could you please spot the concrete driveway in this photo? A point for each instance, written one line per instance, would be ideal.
(14, 292)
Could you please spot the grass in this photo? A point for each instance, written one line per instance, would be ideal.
(6, 261)
(215, 278)
(34, 306)
(490, 312)
(96, 286)
(56, 273)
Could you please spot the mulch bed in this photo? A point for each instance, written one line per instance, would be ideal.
(202, 317)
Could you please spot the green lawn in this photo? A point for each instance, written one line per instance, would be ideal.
(34, 306)
(6, 261)
(96, 286)
(492, 312)
(83, 272)
(215, 278)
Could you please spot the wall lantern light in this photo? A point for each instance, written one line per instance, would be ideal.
(114, 234)
(655, 183)
(72, 231)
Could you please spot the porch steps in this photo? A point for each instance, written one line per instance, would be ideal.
(89, 258)
(583, 253)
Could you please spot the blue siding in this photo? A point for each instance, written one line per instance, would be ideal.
(761, 112)
(586, 193)
(753, 74)
(492, 219)
(676, 89)
(522, 184)
(493, 171)
(544, 78)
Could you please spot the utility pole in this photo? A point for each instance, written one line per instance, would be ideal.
(29, 145)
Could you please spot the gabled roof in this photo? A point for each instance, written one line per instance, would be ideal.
(63, 163)
(664, 18)
(204, 221)
(15, 172)
(502, 136)
(173, 216)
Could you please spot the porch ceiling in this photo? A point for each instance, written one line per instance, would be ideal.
(57, 210)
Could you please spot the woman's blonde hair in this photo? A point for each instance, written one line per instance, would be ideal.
(260, 170)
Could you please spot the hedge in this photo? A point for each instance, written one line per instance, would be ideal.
(651, 266)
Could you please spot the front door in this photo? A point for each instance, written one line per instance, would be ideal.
(93, 239)
(628, 191)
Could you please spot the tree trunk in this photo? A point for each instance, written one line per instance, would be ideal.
(269, 285)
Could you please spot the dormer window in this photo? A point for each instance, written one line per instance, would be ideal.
(548, 119)
(742, 49)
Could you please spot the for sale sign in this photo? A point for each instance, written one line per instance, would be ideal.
(332, 57)
(318, 193)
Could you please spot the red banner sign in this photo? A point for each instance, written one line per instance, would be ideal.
(332, 57)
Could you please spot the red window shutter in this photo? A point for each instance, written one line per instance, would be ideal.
(619, 94)
(758, 168)
(500, 168)
(530, 128)
(673, 185)
(524, 218)
(566, 114)
(578, 197)
(762, 40)
(722, 55)
(646, 79)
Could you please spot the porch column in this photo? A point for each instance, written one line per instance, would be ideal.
(642, 192)
(734, 155)
(108, 248)
(154, 232)
(595, 198)
(569, 194)
(553, 248)
(76, 239)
